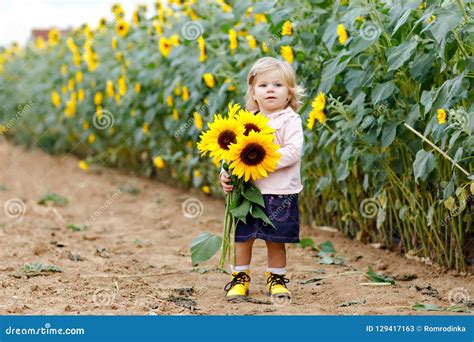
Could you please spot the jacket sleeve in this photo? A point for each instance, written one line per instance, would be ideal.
(292, 149)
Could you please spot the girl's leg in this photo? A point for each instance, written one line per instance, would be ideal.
(276, 254)
(243, 252)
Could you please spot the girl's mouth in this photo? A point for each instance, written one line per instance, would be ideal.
(270, 98)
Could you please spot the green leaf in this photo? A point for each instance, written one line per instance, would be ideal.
(447, 19)
(254, 195)
(203, 247)
(458, 308)
(383, 91)
(308, 242)
(388, 134)
(326, 259)
(402, 20)
(426, 100)
(398, 55)
(38, 267)
(424, 163)
(55, 198)
(235, 199)
(242, 210)
(378, 278)
(331, 69)
(258, 212)
(76, 228)
(342, 171)
(427, 307)
(327, 247)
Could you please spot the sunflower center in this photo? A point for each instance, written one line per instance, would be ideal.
(252, 154)
(250, 127)
(226, 138)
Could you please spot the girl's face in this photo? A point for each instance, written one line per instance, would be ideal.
(270, 92)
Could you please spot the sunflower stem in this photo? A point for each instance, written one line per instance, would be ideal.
(225, 242)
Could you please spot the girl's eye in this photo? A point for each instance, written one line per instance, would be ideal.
(262, 85)
(279, 84)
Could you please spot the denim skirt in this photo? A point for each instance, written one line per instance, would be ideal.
(283, 211)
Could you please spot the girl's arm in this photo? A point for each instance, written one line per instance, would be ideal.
(292, 150)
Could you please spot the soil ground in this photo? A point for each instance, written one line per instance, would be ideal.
(135, 259)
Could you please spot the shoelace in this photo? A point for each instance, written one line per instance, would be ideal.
(277, 279)
(239, 278)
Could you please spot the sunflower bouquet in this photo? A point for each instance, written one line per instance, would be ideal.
(243, 142)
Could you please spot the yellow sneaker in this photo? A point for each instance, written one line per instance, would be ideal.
(276, 285)
(238, 287)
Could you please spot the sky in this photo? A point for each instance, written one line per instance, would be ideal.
(19, 17)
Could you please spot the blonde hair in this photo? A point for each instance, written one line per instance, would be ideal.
(267, 64)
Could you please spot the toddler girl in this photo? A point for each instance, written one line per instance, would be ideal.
(272, 91)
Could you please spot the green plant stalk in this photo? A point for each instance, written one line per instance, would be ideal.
(437, 148)
(227, 217)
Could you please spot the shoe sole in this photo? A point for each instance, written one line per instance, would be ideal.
(238, 298)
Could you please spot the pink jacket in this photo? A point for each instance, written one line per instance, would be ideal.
(286, 179)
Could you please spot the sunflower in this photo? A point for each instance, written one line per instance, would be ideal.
(233, 40)
(55, 98)
(164, 46)
(84, 165)
(102, 23)
(122, 85)
(202, 49)
(209, 80)
(92, 59)
(40, 43)
(251, 41)
(174, 40)
(260, 18)
(287, 53)
(114, 43)
(287, 29)
(254, 122)
(233, 109)
(122, 27)
(441, 115)
(221, 134)
(342, 33)
(53, 37)
(159, 162)
(317, 110)
(197, 120)
(79, 77)
(138, 87)
(254, 156)
(109, 88)
(185, 95)
(136, 18)
(81, 95)
(98, 98)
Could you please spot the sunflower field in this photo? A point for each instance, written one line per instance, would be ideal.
(388, 112)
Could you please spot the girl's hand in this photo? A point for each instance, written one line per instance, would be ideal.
(225, 180)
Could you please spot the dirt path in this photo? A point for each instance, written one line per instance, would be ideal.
(146, 234)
